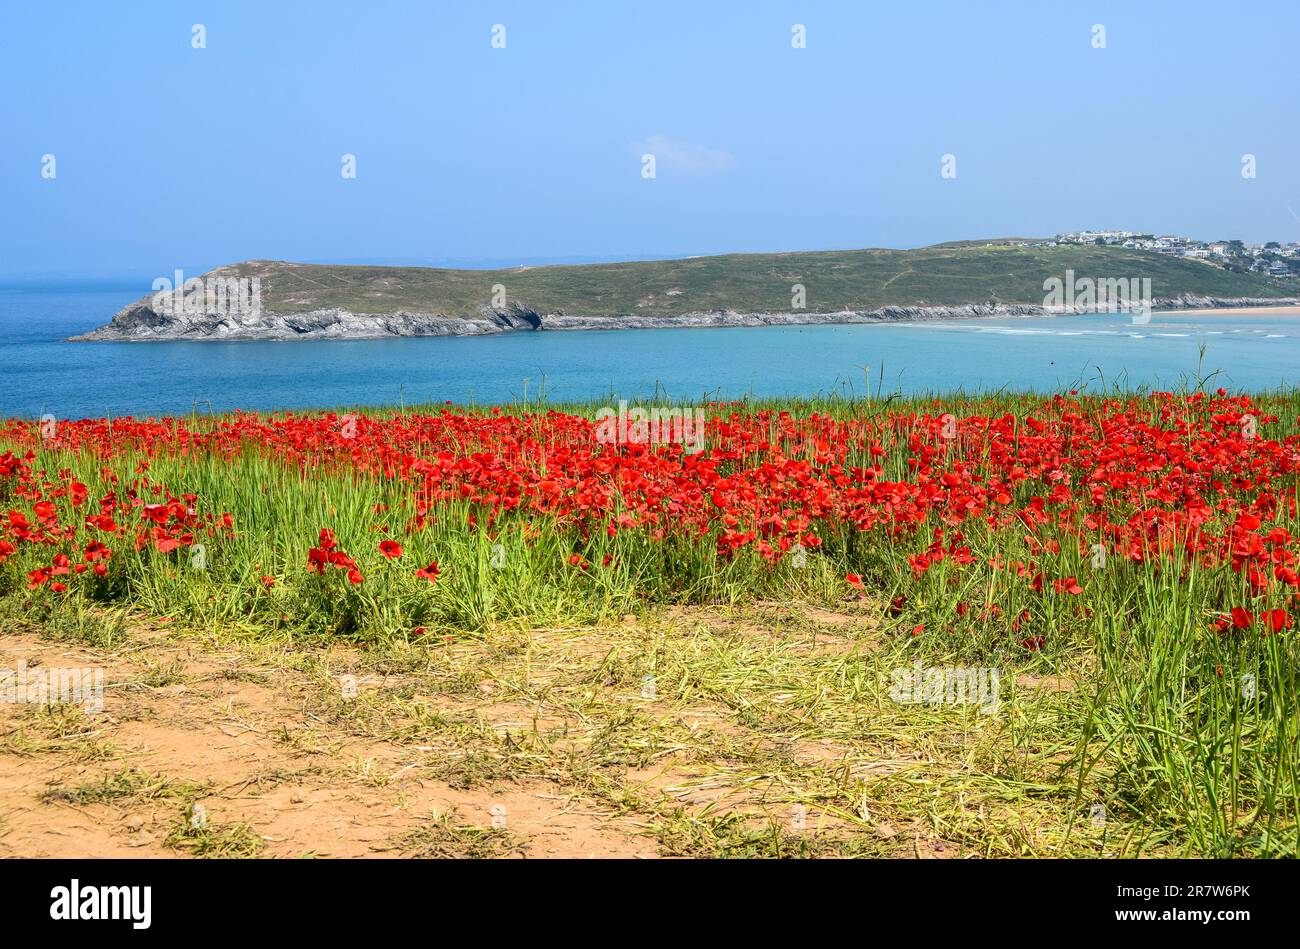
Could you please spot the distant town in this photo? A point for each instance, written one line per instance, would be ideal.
(1272, 259)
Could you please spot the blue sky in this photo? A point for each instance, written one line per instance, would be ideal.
(169, 156)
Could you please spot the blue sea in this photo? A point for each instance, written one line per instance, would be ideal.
(40, 373)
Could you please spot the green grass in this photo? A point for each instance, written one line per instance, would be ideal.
(212, 840)
(442, 838)
(121, 786)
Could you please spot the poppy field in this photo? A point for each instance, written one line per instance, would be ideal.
(1143, 548)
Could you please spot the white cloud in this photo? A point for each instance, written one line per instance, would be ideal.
(685, 157)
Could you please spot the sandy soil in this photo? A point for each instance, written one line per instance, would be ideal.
(195, 725)
(765, 730)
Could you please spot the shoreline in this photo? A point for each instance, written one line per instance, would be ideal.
(138, 323)
(1282, 310)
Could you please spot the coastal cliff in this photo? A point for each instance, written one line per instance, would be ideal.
(272, 300)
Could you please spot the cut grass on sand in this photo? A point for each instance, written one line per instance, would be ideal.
(770, 731)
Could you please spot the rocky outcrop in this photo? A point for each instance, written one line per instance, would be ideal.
(513, 316)
(145, 321)
(140, 322)
(1189, 301)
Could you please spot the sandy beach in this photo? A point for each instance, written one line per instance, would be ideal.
(1239, 311)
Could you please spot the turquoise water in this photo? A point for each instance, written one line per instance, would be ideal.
(41, 373)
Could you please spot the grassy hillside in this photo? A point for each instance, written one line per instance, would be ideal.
(969, 272)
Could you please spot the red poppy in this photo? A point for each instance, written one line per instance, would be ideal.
(1275, 620)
